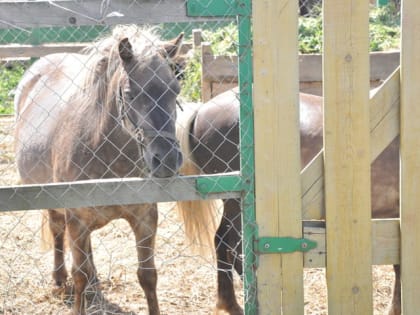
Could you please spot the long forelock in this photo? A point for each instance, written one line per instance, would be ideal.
(105, 76)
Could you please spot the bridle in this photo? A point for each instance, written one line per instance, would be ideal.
(141, 133)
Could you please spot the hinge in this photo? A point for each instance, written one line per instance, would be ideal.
(272, 245)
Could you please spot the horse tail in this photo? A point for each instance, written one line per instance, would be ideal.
(47, 236)
(47, 241)
(200, 217)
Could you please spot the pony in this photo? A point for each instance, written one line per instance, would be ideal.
(209, 138)
(107, 112)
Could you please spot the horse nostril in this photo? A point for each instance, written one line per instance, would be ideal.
(156, 161)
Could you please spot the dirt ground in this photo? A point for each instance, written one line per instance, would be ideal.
(186, 285)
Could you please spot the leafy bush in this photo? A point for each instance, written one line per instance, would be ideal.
(223, 42)
(384, 35)
(10, 75)
(384, 30)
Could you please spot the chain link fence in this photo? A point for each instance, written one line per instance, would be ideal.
(32, 279)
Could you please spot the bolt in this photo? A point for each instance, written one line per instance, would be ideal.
(304, 245)
(266, 246)
(72, 20)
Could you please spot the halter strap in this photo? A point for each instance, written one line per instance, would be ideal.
(152, 133)
(142, 133)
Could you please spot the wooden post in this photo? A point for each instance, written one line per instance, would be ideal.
(207, 57)
(410, 156)
(347, 156)
(277, 169)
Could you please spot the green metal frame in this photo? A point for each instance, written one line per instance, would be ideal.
(242, 10)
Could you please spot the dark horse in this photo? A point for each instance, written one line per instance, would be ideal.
(210, 140)
(105, 113)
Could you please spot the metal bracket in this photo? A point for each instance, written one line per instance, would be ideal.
(273, 245)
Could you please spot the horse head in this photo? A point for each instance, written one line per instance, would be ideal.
(148, 104)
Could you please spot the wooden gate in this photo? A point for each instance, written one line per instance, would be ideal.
(353, 240)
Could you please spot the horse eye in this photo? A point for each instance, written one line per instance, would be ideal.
(128, 95)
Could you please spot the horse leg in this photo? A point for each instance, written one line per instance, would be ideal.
(226, 299)
(395, 308)
(144, 226)
(233, 214)
(57, 224)
(82, 271)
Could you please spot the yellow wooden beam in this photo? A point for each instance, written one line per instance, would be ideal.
(277, 162)
(347, 156)
(385, 244)
(410, 156)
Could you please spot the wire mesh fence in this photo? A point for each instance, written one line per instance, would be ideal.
(207, 64)
(108, 262)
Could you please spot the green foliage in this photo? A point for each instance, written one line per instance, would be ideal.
(224, 42)
(310, 34)
(191, 82)
(9, 79)
(384, 30)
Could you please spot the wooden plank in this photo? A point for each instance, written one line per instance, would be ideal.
(29, 51)
(410, 156)
(25, 14)
(382, 64)
(384, 114)
(220, 68)
(279, 277)
(206, 57)
(103, 192)
(384, 127)
(385, 243)
(347, 156)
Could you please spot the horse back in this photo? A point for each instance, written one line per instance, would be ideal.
(215, 131)
(42, 95)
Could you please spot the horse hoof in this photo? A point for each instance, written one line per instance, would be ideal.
(234, 310)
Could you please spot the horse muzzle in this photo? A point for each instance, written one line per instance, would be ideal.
(163, 157)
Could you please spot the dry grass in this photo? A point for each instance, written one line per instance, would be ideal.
(187, 282)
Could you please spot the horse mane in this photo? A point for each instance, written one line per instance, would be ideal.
(104, 76)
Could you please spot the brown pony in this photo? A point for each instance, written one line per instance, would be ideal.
(209, 139)
(107, 112)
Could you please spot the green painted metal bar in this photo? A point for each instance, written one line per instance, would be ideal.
(247, 155)
(275, 245)
(217, 184)
(243, 10)
(381, 3)
(219, 8)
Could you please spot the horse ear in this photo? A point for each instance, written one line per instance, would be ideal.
(125, 49)
(172, 47)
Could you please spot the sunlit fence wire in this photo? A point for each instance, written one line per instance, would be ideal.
(29, 33)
